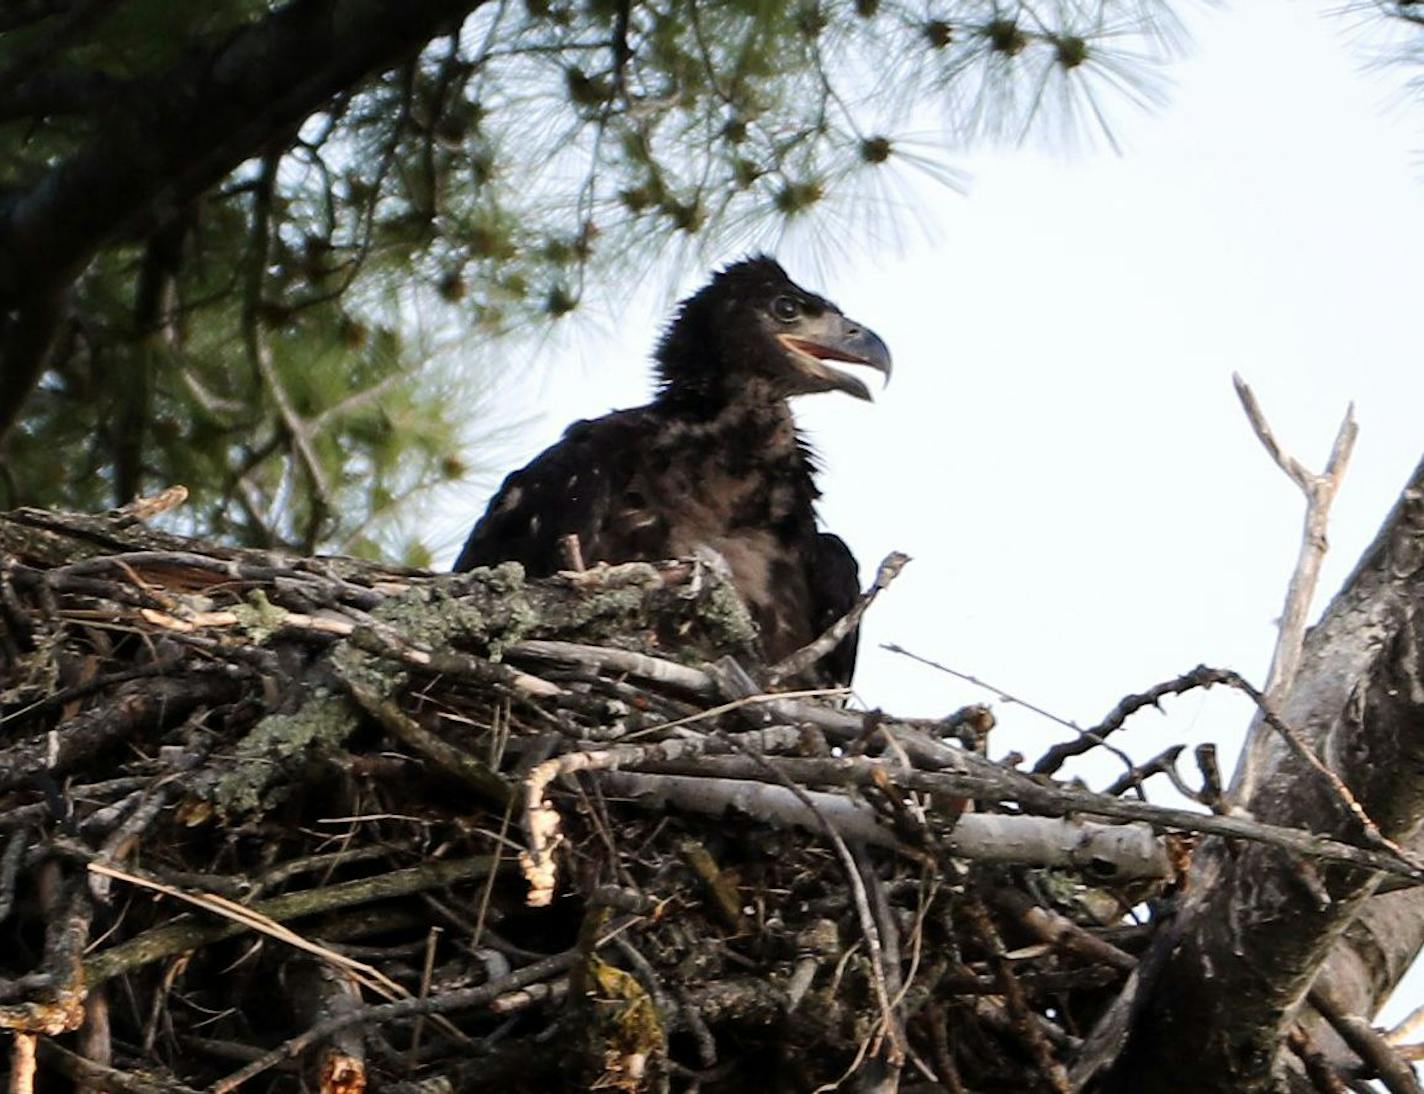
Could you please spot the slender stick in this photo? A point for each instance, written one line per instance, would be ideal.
(832, 637)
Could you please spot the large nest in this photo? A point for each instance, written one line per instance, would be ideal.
(296, 823)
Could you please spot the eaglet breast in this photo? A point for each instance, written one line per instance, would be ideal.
(736, 522)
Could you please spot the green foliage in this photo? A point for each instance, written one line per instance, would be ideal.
(305, 347)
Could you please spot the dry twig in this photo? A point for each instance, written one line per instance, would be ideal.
(1319, 491)
(798, 662)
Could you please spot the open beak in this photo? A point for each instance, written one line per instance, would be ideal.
(833, 337)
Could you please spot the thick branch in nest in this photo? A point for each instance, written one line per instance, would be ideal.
(1120, 851)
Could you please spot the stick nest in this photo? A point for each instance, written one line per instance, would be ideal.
(285, 824)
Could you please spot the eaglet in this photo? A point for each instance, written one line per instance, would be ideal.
(713, 467)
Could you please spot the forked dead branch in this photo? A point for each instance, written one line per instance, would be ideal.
(263, 820)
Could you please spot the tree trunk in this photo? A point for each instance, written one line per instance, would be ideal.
(1257, 925)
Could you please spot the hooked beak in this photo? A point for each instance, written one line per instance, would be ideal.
(833, 337)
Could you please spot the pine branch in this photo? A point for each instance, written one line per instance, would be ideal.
(179, 133)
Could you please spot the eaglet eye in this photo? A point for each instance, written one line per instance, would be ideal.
(785, 308)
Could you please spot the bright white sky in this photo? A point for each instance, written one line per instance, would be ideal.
(1061, 450)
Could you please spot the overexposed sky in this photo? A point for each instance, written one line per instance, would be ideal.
(1061, 450)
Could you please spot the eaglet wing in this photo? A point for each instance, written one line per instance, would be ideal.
(574, 488)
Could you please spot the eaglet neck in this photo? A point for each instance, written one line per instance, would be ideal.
(754, 406)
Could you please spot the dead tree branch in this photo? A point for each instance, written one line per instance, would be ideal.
(1319, 491)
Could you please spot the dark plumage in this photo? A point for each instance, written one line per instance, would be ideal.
(712, 467)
